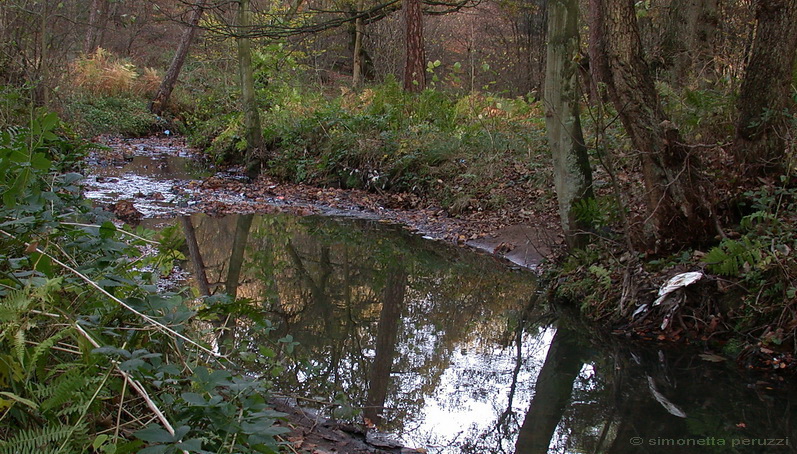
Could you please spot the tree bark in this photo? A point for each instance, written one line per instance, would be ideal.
(688, 41)
(170, 79)
(195, 255)
(760, 144)
(676, 201)
(572, 172)
(359, 31)
(252, 131)
(99, 9)
(415, 68)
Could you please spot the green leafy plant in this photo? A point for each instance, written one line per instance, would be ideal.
(87, 341)
(732, 257)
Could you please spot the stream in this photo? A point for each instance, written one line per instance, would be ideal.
(442, 348)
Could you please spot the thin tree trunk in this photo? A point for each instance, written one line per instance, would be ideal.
(415, 68)
(760, 143)
(195, 255)
(359, 31)
(170, 79)
(92, 32)
(237, 254)
(252, 131)
(676, 201)
(242, 226)
(572, 172)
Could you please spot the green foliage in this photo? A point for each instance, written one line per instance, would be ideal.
(70, 280)
(14, 105)
(127, 116)
(732, 257)
(704, 115)
(596, 212)
(39, 440)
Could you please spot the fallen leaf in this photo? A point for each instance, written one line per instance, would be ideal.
(712, 357)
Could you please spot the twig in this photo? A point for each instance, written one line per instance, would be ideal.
(133, 384)
(119, 413)
(77, 224)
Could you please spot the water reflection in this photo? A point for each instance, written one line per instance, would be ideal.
(441, 347)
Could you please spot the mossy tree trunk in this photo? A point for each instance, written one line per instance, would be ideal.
(572, 172)
(760, 145)
(252, 130)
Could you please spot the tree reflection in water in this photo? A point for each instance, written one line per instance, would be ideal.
(433, 343)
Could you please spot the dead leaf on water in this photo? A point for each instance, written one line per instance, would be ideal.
(712, 357)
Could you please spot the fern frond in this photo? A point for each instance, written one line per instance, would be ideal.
(39, 352)
(731, 256)
(18, 345)
(63, 390)
(51, 286)
(13, 305)
(36, 441)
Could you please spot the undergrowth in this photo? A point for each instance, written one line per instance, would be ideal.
(110, 95)
(382, 138)
(93, 357)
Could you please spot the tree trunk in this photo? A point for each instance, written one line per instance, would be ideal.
(551, 393)
(195, 256)
(359, 31)
(688, 35)
(572, 172)
(675, 199)
(415, 68)
(760, 144)
(252, 132)
(386, 335)
(99, 9)
(170, 79)
(237, 255)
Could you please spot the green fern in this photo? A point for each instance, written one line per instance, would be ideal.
(13, 305)
(39, 440)
(731, 256)
(62, 391)
(595, 212)
(39, 354)
(750, 221)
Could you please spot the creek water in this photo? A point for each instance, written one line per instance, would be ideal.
(452, 351)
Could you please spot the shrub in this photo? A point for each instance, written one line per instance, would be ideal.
(111, 115)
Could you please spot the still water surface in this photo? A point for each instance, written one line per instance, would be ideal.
(451, 351)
